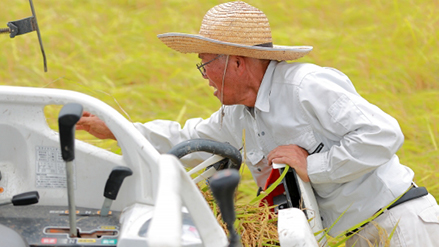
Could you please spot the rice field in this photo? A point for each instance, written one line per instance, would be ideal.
(108, 49)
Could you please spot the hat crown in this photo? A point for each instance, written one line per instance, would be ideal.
(236, 22)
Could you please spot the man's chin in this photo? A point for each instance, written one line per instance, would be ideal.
(219, 98)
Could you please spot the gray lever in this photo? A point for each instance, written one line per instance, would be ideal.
(114, 182)
(67, 119)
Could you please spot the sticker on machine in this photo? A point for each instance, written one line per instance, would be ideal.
(50, 170)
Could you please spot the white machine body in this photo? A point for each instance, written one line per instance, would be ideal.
(159, 205)
(159, 188)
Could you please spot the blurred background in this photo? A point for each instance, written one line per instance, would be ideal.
(108, 49)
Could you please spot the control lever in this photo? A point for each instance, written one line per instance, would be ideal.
(223, 185)
(27, 198)
(114, 182)
(67, 119)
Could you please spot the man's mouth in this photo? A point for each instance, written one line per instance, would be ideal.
(216, 89)
(212, 85)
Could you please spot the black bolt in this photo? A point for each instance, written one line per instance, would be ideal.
(5, 30)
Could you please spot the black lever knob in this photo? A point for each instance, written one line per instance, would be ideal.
(67, 119)
(26, 198)
(114, 182)
(223, 185)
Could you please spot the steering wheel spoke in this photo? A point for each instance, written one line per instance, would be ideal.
(210, 161)
(220, 151)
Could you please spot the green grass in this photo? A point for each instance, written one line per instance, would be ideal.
(108, 49)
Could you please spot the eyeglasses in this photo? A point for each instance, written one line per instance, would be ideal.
(200, 66)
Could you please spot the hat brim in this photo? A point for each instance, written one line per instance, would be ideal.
(191, 43)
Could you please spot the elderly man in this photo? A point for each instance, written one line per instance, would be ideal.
(303, 115)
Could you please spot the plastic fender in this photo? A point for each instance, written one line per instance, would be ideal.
(294, 230)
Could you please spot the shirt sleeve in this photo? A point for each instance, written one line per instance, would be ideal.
(366, 136)
(164, 134)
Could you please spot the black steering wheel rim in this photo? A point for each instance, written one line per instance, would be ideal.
(223, 149)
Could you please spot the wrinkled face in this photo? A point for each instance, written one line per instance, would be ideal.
(214, 72)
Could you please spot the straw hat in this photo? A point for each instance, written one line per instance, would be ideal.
(234, 28)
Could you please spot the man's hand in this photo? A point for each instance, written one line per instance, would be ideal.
(94, 126)
(292, 155)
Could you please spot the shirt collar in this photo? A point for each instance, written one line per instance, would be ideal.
(262, 100)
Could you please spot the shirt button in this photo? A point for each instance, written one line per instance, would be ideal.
(262, 133)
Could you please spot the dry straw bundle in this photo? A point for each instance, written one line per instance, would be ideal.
(256, 225)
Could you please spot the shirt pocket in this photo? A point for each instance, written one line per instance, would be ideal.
(430, 215)
(253, 157)
(304, 139)
(258, 166)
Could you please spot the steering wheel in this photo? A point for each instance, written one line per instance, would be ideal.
(225, 156)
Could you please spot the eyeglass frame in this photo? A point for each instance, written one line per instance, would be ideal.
(200, 66)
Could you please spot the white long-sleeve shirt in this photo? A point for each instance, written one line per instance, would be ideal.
(355, 169)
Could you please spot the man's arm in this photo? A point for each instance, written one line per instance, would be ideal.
(367, 137)
(95, 126)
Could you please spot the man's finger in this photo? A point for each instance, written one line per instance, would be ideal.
(82, 121)
(86, 114)
(82, 127)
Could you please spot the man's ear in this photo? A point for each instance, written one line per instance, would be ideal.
(240, 64)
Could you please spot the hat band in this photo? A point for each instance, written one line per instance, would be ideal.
(269, 44)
